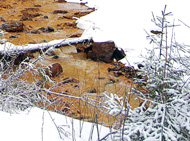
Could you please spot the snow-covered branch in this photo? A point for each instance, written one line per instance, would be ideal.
(10, 48)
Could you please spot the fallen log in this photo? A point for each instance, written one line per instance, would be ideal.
(9, 48)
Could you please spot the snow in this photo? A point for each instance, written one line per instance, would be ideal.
(28, 126)
(124, 22)
(9, 47)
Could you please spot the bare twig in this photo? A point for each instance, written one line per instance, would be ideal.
(114, 132)
(183, 23)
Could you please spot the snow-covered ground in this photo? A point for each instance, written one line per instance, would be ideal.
(40, 125)
(122, 21)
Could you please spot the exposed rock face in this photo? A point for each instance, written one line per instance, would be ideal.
(54, 70)
(105, 51)
(13, 26)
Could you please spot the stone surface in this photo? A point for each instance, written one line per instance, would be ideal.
(61, 1)
(27, 16)
(20, 58)
(48, 29)
(54, 70)
(1, 19)
(118, 54)
(104, 51)
(60, 11)
(122, 70)
(13, 26)
(35, 31)
(50, 53)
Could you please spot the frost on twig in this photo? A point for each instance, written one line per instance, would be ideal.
(114, 104)
(165, 91)
(10, 48)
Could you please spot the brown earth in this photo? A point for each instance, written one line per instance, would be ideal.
(81, 77)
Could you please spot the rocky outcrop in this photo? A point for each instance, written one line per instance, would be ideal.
(54, 70)
(104, 51)
(13, 26)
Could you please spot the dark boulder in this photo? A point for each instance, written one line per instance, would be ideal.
(27, 16)
(55, 57)
(93, 90)
(48, 29)
(37, 5)
(60, 12)
(5, 6)
(50, 52)
(45, 17)
(13, 36)
(122, 70)
(104, 51)
(30, 10)
(2, 20)
(118, 54)
(66, 25)
(60, 1)
(21, 57)
(54, 70)
(15, 59)
(35, 32)
(83, 12)
(13, 26)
